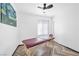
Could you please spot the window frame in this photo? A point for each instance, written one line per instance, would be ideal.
(43, 21)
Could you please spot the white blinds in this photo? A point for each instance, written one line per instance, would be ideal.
(42, 27)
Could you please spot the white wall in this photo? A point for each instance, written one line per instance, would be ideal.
(28, 24)
(9, 39)
(66, 25)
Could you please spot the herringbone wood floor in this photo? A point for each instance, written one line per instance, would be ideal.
(54, 49)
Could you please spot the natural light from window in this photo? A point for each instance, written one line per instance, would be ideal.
(42, 27)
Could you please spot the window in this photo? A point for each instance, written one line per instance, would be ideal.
(42, 27)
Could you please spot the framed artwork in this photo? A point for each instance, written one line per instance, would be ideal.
(0, 12)
(7, 14)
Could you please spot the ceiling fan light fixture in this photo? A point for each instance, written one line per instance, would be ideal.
(45, 6)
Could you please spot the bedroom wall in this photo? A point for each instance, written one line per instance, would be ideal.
(9, 39)
(66, 25)
(28, 24)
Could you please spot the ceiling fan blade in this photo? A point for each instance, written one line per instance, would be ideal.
(40, 7)
(49, 6)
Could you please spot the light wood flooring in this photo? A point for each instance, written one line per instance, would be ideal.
(53, 49)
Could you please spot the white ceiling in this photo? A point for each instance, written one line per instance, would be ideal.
(32, 8)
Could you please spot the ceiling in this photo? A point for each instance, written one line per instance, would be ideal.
(32, 8)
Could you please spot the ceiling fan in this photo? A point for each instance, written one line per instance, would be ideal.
(45, 6)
